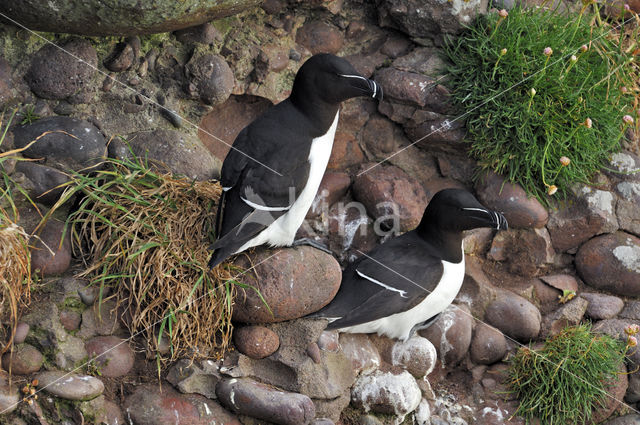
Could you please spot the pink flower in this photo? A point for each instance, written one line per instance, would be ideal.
(624, 89)
(564, 161)
(547, 51)
(588, 123)
(503, 52)
(552, 189)
(632, 341)
(503, 13)
(626, 7)
(628, 119)
(584, 48)
(574, 58)
(632, 329)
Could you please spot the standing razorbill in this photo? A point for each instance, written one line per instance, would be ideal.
(274, 168)
(400, 285)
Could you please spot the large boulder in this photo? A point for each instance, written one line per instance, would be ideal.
(65, 143)
(293, 282)
(120, 17)
(611, 263)
(430, 18)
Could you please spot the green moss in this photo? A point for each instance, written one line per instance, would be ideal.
(72, 304)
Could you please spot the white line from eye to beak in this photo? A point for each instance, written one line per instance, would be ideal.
(375, 86)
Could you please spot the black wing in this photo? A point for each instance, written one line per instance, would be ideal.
(393, 278)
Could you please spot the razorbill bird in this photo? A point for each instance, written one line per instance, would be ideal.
(401, 285)
(272, 173)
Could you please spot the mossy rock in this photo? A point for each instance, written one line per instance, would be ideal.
(120, 17)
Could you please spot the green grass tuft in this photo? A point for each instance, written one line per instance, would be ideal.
(563, 382)
(523, 136)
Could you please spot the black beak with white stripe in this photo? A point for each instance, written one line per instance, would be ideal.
(273, 171)
(410, 279)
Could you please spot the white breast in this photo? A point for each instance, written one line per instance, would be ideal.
(283, 231)
(399, 325)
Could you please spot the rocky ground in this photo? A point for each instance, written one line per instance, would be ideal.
(181, 98)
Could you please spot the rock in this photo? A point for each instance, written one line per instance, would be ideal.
(219, 128)
(143, 17)
(438, 134)
(329, 341)
(389, 194)
(360, 350)
(180, 152)
(256, 342)
(151, 405)
(204, 34)
(386, 392)
(511, 199)
(22, 329)
(104, 411)
(320, 37)
(23, 359)
(351, 232)
(590, 214)
(195, 377)
(602, 306)
(7, 85)
(631, 310)
(90, 293)
(428, 19)
(85, 147)
(294, 282)
(477, 241)
(422, 60)
(630, 419)
(101, 319)
(378, 136)
(51, 249)
(616, 389)
(322, 421)
(514, 316)
(614, 327)
(625, 164)
(422, 415)
(413, 89)
(70, 320)
(121, 58)
(48, 333)
(70, 386)
(395, 45)
(46, 181)
(333, 187)
(526, 252)
(570, 314)
(451, 334)
(345, 153)
(212, 78)
(251, 398)
(563, 282)
(111, 354)
(52, 74)
(628, 215)
(417, 355)
(616, 254)
(292, 369)
(488, 345)
(9, 396)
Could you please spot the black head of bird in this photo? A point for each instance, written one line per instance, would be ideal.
(331, 79)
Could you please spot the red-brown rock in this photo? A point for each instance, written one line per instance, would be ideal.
(24, 359)
(345, 153)
(251, 398)
(488, 345)
(293, 281)
(511, 199)
(48, 255)
(451, 334)
(611, 263)
(112, 354)
(320, 37)
(148, 405)
(515, 316)
(388, 191)
(225, 121)
(334, 185)
(256, 342)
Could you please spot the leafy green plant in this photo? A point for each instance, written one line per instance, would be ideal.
(544, 94)
(565, 380)
(29, 115)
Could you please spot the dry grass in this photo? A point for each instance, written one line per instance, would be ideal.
(146, 235)
(15, 261)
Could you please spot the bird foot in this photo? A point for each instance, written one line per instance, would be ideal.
(311, 242)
